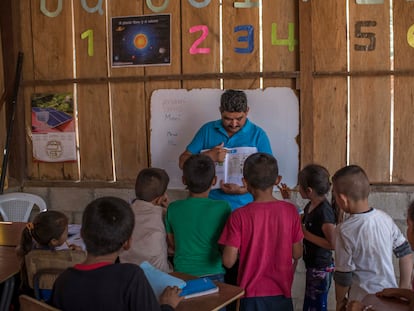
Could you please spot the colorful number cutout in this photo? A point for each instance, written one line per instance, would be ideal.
(194, 49)
(290, 41)
(88, 34)
(249, 39)
(368, 35)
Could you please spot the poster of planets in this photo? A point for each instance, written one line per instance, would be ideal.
(141, 40)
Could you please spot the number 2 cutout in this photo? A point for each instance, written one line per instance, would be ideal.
(194, 49)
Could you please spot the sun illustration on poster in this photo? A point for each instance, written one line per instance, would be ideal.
(140, 41)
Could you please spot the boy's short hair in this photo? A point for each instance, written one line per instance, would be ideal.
(151, 183)
(199, 172)
(107, 223)
(352, 181)
(233, 101)
(260, 170)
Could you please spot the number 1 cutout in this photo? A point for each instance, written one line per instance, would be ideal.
(88, 34)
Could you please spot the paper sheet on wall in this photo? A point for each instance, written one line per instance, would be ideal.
(53, 127)
(176, 115)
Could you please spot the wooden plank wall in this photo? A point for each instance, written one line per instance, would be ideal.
(403, 168)
(113, 110)
(353, 109)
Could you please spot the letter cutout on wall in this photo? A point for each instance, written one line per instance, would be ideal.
(410, 36)
(47, 12)
(199, 5)
(194, 49)
(247, 4)
(157, 9)
(249, 39)
(98, 7)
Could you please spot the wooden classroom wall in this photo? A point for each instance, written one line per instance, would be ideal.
(113, 103)
(354, 107)
(354, 110)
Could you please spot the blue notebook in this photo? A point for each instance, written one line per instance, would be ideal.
(159, 280)
(199, 287)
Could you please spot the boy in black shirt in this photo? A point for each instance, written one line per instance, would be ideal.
(99, 283)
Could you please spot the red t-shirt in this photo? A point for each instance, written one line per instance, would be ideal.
(264, 233)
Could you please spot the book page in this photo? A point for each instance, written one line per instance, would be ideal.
(234, 164)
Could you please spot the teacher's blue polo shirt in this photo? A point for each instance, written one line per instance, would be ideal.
(213, 133)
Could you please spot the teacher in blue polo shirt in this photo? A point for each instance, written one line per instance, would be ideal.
(233, 130)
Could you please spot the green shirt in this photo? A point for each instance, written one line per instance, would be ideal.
(196, 224)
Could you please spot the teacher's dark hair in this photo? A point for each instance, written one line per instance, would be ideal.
(233, 101)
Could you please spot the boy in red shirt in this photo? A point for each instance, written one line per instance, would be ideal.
(267, 236)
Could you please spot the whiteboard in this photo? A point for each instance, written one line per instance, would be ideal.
(177, 114)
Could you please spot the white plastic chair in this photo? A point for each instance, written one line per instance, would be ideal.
(17, 206)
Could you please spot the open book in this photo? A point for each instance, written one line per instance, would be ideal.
(159, 280)
(231, 170)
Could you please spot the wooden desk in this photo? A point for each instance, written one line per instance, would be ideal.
(10, 233)
(9, 263)
(212, 302)
(384, 304)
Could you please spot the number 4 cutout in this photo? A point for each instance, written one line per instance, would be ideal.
(290, 41)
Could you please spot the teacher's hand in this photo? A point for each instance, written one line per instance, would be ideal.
(218, 153)
(232, 188)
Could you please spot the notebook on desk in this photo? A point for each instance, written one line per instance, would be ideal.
(199, 287)
(159, 280)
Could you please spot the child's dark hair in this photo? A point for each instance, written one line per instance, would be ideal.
(233, 101)
(45, 227)
(316, 177)
(151, 183)
(260, 170)
(352, 181)
(199, 172)
(107, 223)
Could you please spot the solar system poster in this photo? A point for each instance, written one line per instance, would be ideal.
(53, 127)
(141, 40)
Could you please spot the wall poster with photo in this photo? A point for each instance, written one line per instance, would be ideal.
(53, 127)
